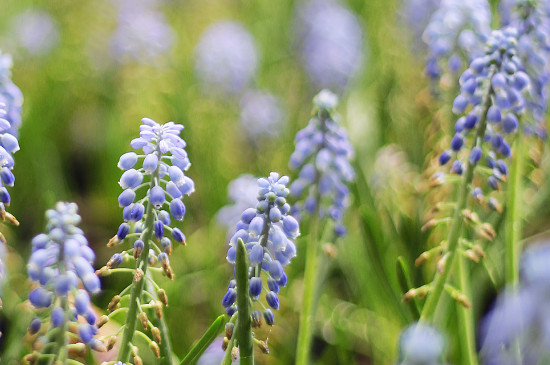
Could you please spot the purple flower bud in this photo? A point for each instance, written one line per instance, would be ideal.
(272, 300)
(126, 198)
(173, 190)
(159, 229)
(255, 286)
(475, 155)
(157, 196)
(444, 157)
(7, 176)
(138, 247)
(459, 105)
(493, 114)
(178, 235)
(269, 317)
(256, 255)
(510, 123)
(58, 316)
(272, 285)
(130, 179)
(150, 163)
(457, 167)
(229, 297)
(35, 325)
(123, 231)
(177, 209)
(40, 297)
(127, 161)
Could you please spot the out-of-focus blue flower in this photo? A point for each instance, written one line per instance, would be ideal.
(323, 153)
(226, 58)
(268, 233)
(493, 84)
(416, 15)
(421, 344)
(10, 96)
(61, 260)
(532, 20)
(36, 31)
(455, 35)
(142, 34)
(261, 114)
(242, 193)
(520, 319)
(160, 181)
(330, 43)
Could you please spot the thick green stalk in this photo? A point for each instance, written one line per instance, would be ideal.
(466, 316)
(205, 341)
(164, 345)
(137, 287)
(433, 300)
(244, 325)
(308, 303)
(513, 228)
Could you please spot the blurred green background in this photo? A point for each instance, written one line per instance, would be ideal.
(82, 109)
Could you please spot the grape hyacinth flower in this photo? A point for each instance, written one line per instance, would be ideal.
(151, 198)
(492, 98)
(261, 114)
(532, 20)
(455, 35)
(8, 145)
(61, 266)
(330, 40)
(226, 58)
(519, 320)
(421, 345)
(35, 31)
(10, 96)
(416, 14)
(323, 153)
(268, 232)
(142, 34)
(243, 193)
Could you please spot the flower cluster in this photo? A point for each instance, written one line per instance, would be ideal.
(416, 14)
(165, 162)
(532, 20)
(10, 96)
(261, 114)
(421, 345)
(331, 58)
(492, 86)
(519, 320)
(35, 31)
(268, 233)
(323, 153)
(142, 34)
(243, 193)
(226, 57)
(455, 34)
(8, 146)
(61, 260)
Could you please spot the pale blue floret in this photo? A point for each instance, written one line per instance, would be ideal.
(497, 72)
(323, 153)
(163, 156)
(269, 239)
(421, 344)
(60, 260)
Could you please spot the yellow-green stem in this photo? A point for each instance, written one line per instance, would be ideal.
(465, 315)
(308, 303)
(514, 215)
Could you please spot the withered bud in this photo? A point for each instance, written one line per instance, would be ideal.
(441, 264)
(429, 225)
(158, 310)
(229, 327)
(470, 254)
(113, 241)
(486, 231)
(256, 319)
(111, 341)
(469, 216)
(113, 304)
(77, 349)
(137, 360)
(329, 250)
(102, 321)
(225, 343)
(144, 320)
(424, 256)
(163, 297)
(138, 275)
(11, 219)
(155, 349)
(156, 334)
(235, 353)
(104, 271)
(263, 346)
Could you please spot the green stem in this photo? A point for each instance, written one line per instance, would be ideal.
(165, 345)
(244, 326)
(465, 315)
(137, 288)
(205, 341)
(433, 300)
(513, 228)
(308, 303)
